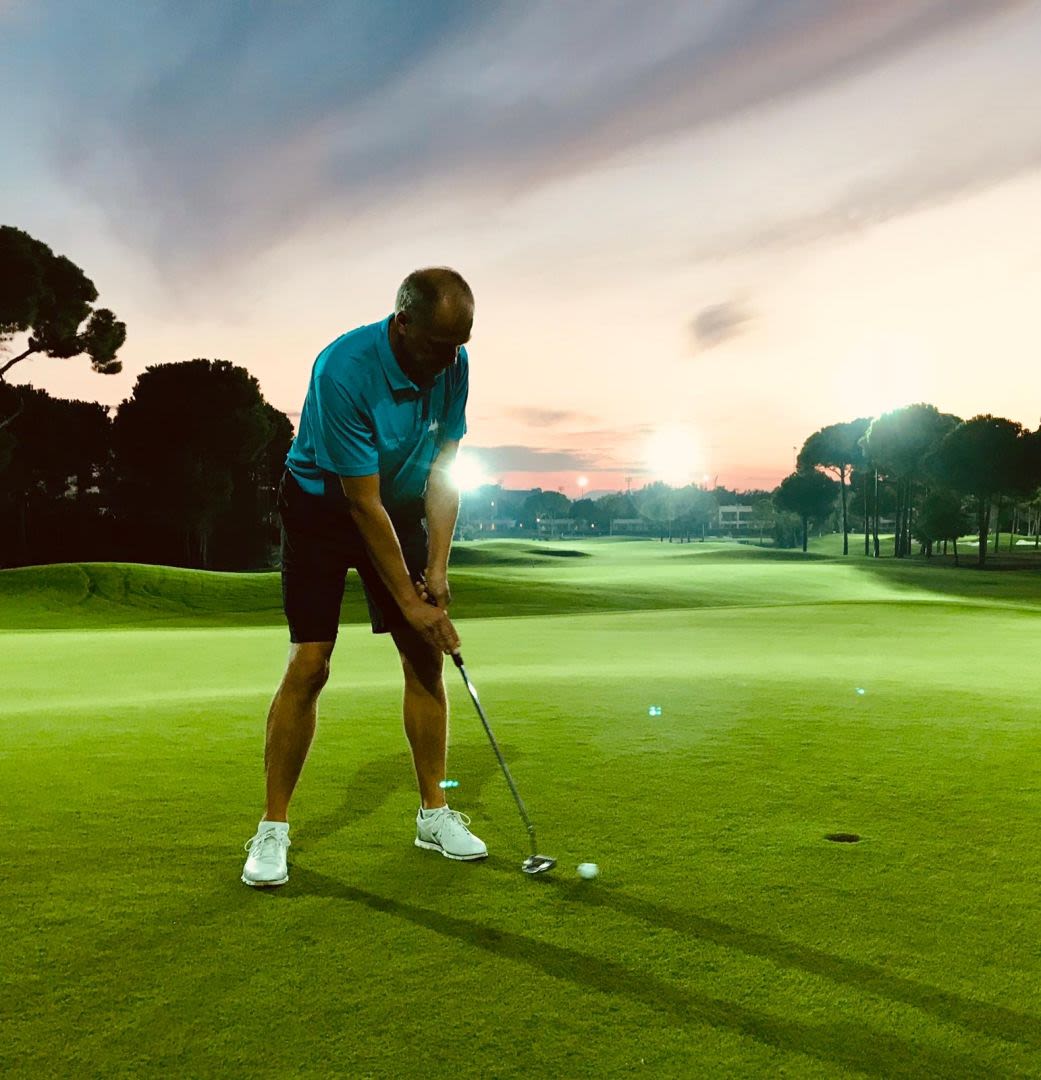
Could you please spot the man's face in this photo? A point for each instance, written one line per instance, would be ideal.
(433, 347)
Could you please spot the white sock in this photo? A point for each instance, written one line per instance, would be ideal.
(427, 813)
(278, 826)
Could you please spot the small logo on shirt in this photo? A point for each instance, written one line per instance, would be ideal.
(434, 425)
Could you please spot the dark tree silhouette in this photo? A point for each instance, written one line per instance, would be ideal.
(190, 434)
(982, 457)
(52, 456)
(545, 504)
(809, 494)
(49, 296)
(898, 444)
(942, 516)
(837, 449)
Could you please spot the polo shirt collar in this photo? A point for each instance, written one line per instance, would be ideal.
(399, 381)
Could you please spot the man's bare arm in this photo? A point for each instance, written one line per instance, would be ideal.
(369, 514)
(442, 510)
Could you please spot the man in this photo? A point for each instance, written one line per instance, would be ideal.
(380, 427)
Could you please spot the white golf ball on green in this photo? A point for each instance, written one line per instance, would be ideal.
(588, 870)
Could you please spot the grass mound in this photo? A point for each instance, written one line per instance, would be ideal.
(509, 578)
(131, 594)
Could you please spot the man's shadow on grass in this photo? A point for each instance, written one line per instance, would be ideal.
(846, 1043)
(375, 782)
(378, 780)
(993, 1021)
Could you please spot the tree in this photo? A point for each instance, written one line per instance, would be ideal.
(764, 514)
(809, 494)
(50, 297)
(837, 449)
(585, 512)
(982, 457)
(1032, 476)
(52, 455)
(1025, 489)
(246, 533)
(875, 500)
(545, 504)
(897, 444)
(659, 505)
(694, 509)
(619, 505)
(190, 436)
(942, 517)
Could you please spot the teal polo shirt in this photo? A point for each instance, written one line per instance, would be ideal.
(364, 415)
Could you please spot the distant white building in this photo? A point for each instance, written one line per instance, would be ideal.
(735, 517)
(553, 526)
(620, 526)
(499, 524)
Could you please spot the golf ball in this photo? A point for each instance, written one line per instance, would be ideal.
(588, 870)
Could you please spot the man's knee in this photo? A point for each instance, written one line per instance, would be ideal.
(422, 664)
(308, 668)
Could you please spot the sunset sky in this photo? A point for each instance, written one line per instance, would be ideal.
(745, 219)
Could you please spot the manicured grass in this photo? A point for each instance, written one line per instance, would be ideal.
(725, 936)
(511, 577)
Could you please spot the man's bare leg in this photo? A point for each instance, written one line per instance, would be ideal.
(425, 712)
(291, 722)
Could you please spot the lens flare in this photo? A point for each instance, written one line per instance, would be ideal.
(467, 472)
(673, 456)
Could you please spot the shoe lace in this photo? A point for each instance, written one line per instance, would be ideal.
(263, 837)
(458, 818)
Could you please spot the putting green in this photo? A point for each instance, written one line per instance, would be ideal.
(725, 936)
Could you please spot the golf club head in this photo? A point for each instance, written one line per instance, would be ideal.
(538, 864)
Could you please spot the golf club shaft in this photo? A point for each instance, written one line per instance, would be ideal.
(457, 657)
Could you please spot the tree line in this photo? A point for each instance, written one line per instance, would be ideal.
(185, 471)
(934, 476)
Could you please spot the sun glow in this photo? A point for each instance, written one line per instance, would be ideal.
(467, 472)
(674, 456)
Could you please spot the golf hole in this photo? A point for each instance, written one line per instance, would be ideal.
(843, 837)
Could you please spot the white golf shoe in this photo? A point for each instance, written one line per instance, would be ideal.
(266, 862)
(446, 831)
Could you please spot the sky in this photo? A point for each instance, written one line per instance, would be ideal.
(711, 227)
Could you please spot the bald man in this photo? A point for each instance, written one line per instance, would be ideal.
(366, 486)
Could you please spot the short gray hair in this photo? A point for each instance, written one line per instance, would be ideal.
(423, 291)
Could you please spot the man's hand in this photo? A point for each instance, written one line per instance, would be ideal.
(432, 622)
(436, 582)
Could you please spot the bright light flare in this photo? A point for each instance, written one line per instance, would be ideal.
(674, 456)
(467, 472)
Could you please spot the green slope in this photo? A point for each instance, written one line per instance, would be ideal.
(725, 937)
(493, 578)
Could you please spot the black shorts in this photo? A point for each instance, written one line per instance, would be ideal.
(320, 543)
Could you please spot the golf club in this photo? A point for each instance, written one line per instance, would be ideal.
(535, 863)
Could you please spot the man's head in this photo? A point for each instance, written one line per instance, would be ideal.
(433, 316)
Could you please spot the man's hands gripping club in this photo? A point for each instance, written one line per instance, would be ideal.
(432, 589)
(423, 603)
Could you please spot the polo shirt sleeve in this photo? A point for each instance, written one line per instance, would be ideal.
(345, 443)
(455, 408)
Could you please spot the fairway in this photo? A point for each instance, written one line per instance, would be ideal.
(725, 937)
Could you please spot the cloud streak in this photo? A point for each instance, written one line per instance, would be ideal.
(515, 458)
(535, 417)
(205, 129)
(717, 323)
